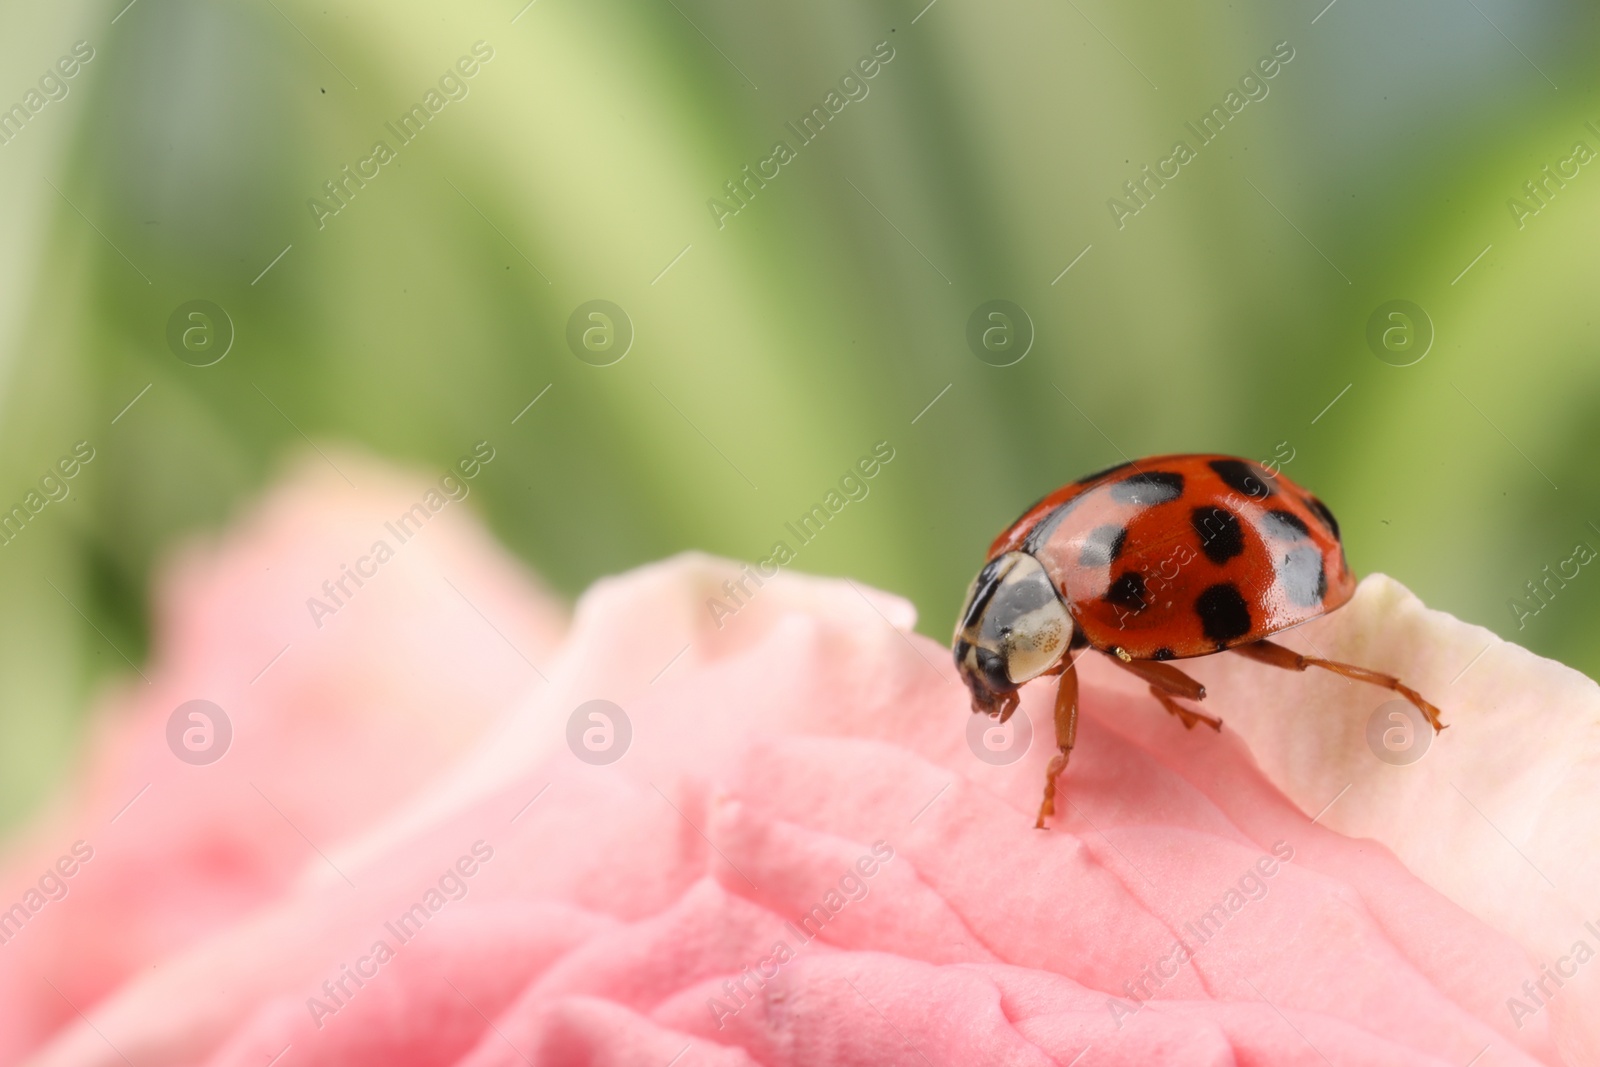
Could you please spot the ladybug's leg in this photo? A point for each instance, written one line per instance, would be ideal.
(1188, 716)
(1288, 659)
(1066, 736)
(1166, 682)
(1163, 676)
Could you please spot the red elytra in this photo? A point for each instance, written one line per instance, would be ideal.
(1165, 558)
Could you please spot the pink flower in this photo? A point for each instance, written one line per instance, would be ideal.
(332, 727)
(798, 858)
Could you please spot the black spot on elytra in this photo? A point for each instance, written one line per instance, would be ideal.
(1243, 477)
(1102, 546)
(1097, 475)
(1285, 525)
(1128, 591)
(1151, 487)
(1224, 615)
(1221, 536)
(1163, 653)
(1324, 514)
(1302, 575)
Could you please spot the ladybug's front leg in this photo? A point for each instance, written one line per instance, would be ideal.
(1066, 737)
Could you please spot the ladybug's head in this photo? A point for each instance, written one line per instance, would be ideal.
(1013, 628)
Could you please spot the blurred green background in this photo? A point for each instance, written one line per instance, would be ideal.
(772, 351)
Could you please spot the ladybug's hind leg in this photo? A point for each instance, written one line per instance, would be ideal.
(1166, 682)
(1066, 737)
(1290, 660)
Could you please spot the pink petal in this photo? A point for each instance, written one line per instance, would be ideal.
(1497, 815)
(641, 903)
(349, 721)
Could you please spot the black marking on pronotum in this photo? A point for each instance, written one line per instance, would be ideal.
(1102, 546)
(1163, 653)
(983, 588)
(1128, 591)
(1285, 525)
(1147, 489)
(1302, 576)
(1224, 616)
(1324, 514)
(1221, 536)
(1242, 477)
(1011, 602)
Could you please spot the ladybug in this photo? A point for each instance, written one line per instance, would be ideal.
(1168, 558)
